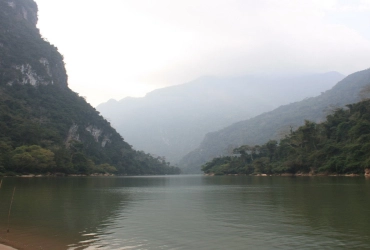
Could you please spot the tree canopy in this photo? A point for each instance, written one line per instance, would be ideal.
(340, 145)
(45, 127)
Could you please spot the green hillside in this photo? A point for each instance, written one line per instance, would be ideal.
(44, 126)
(275, 124)
(340, 145)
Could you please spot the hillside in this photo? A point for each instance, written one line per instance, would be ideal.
(172, 121)
(277, 123)
(45, 127)
(340, 145)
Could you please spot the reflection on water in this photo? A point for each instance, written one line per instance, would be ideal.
(187, 212)
(58, 211)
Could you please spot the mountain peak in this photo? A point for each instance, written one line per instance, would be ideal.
(26, 58)
(275, 124)
(23, 10)
(45, 126)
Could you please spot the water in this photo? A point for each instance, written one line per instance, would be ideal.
(187, 212)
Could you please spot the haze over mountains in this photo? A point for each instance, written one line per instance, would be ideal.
(276, 123)
(172, 121)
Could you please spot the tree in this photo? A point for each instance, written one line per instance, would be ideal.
(81, 164)
(271, 146)
(33, 159)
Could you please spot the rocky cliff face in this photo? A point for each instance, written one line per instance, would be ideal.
(24, 10)
(25, 58)
(29, 60)
(38, 110)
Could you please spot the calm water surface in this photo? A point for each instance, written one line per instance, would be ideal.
(187, 212)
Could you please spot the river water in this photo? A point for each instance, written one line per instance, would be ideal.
(186, 212)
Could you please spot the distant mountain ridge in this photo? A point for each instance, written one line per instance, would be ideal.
(276, 123)
(172, 121)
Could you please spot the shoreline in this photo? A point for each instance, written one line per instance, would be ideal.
(294, 175)
(205, 174)
(57, 175)
(6, 247)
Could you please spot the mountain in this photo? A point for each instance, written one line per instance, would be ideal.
(340, 145)
(44, 126)
(172, 121)
(277, 123)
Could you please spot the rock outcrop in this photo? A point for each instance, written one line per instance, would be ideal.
(25, 57)
(38, 111)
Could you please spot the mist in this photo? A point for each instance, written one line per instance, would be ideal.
(129, 48)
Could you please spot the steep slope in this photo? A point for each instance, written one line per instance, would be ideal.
(172, 121)
(44, 126)
(340, 145)
(277, 123)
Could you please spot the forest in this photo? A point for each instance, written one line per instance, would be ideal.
(340, 145)
(45, 127)
(34, 125)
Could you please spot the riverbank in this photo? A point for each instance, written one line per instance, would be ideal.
(291, 175)
(4, 247)
(54, 175)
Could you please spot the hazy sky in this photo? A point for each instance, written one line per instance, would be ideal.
(118, 48)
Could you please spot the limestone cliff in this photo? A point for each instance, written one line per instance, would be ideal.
(24, 10)
(25, 57)
(38, 111)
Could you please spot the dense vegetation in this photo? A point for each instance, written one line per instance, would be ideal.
(340, 145)
(43, 116)
(44, 126)
(275, 124)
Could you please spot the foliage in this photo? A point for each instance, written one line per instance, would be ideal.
(32, 159)
(46, 127)
(278, 123)
(339, 145)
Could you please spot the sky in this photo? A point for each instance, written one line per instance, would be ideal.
(119, 48)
